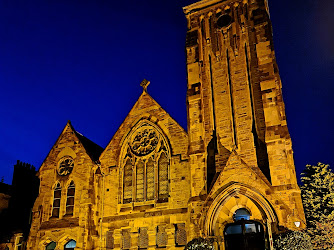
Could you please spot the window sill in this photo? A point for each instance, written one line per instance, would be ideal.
(142, 206)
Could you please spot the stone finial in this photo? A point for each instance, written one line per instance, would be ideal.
(144, 84)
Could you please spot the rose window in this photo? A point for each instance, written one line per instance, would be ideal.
(144, 142)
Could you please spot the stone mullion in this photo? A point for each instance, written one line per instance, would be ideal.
(134, 181)
(145, 181)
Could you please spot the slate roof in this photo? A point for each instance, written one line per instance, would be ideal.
(92, 149)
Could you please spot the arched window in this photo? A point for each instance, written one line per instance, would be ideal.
(163, 178)
(70, 245)
(127, 182)
(140, 181)
(241, 214)
(70, 199)
(51, 246)
(150, 180)
(56, 201)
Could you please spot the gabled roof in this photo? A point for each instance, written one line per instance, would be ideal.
(92, 149)
(144, 105)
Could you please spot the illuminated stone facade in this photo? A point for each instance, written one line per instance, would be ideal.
(155, 185)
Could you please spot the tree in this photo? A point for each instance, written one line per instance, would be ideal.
(199, 244)
(293, 240)
(318, 200)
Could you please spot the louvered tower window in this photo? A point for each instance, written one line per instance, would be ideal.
(126, 239)
(109, 240)
(127, 182)
(150, 180)
(143, 238)
(140, 180)
(70, 199)
(161, 236)
(163, 178)
(180, 234)
(56, 201)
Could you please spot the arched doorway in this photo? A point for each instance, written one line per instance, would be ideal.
(244, 234)
(246, 208)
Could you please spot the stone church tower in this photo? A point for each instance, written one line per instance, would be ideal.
(240, 149)
(230, 178)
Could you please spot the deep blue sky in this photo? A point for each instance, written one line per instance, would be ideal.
(84, 60)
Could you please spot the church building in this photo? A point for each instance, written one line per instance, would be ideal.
(230, 177)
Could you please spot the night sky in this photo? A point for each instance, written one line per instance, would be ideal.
(83, 61)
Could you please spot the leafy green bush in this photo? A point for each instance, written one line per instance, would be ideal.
(293, 240)
(199, 244)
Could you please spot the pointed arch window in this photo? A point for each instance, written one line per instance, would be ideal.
(56, 201)
(127, 182)
(163, 178)
(70, 199)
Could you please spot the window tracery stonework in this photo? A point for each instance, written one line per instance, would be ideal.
(144, 142)
(145, 166)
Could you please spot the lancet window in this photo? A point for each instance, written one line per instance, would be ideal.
(56, 201)
(145, 172)
(70, 199)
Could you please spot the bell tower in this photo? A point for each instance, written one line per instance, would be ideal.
(234, 93)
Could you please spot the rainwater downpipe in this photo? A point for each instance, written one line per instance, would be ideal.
(102, 205)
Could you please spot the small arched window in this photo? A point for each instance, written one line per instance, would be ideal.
(241, 214)
(51, 246)
(70, 199)
(56, 201)
(163, 178)
(70, 245)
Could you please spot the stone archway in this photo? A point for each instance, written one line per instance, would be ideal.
(226, 201)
